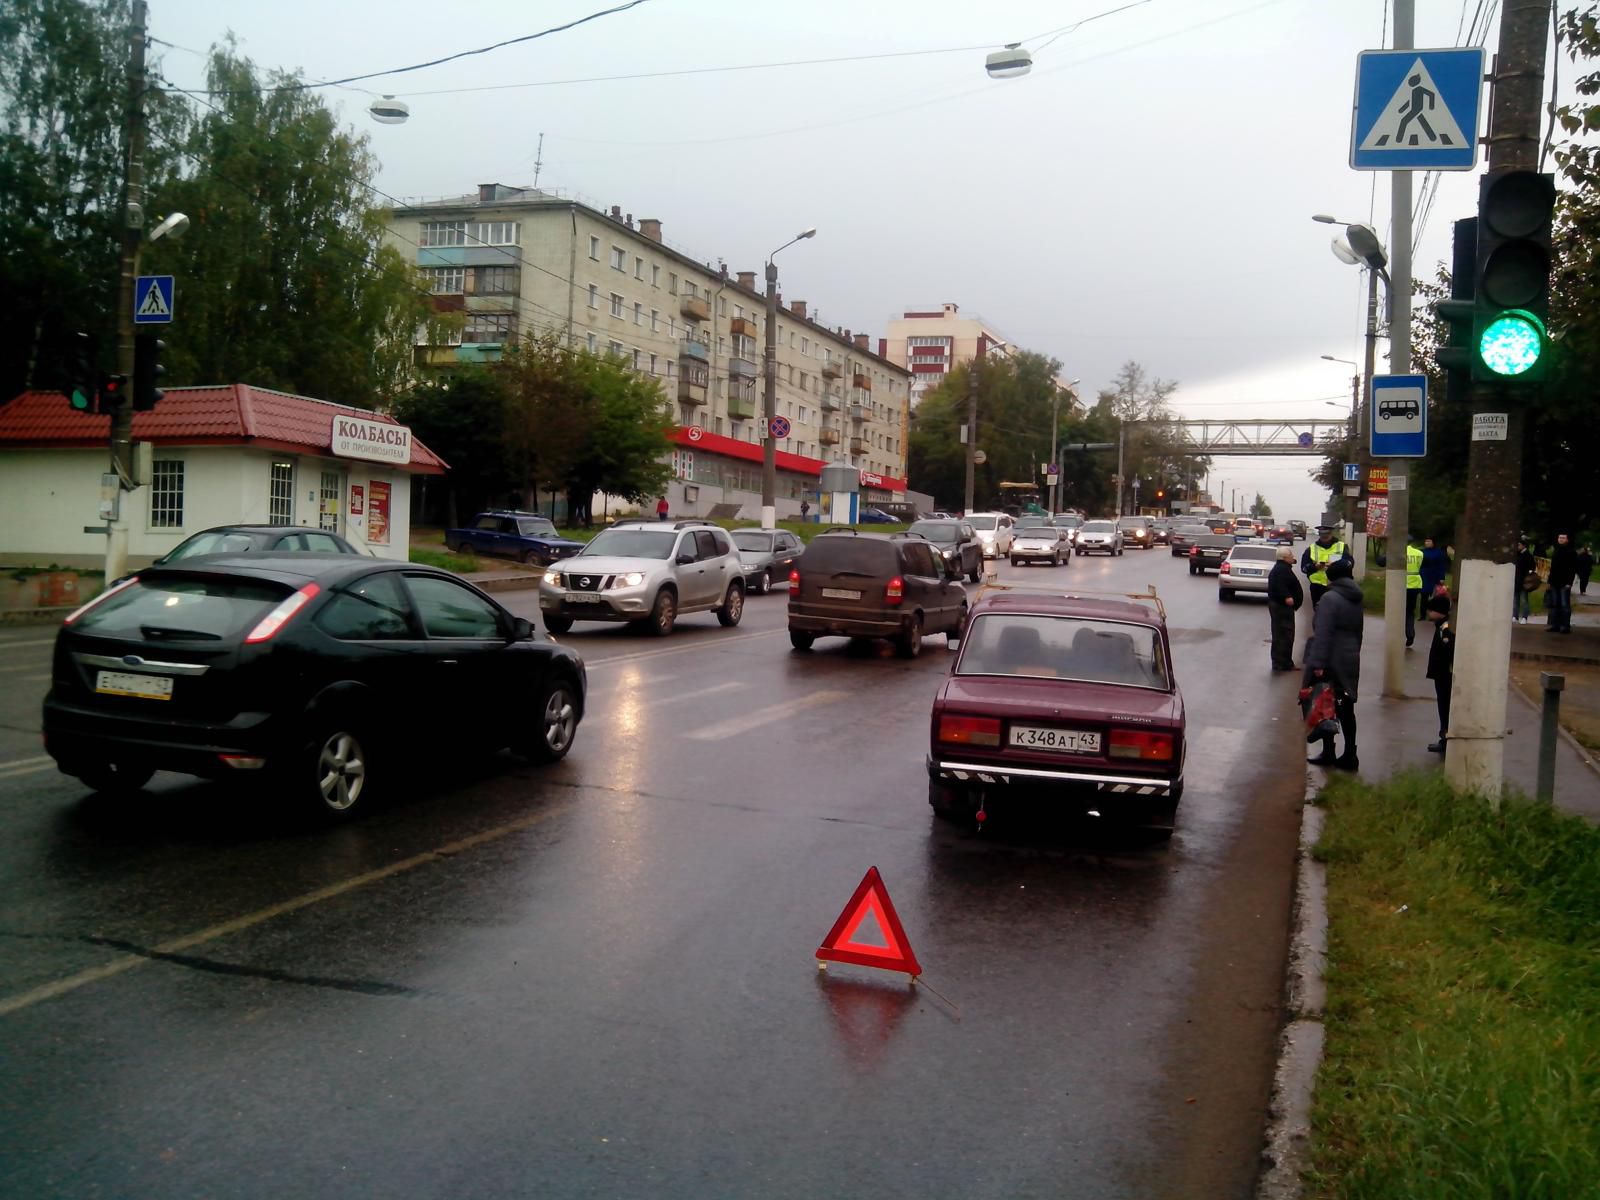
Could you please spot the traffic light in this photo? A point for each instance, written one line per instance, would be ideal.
(1459, 312)
(1511, 289)
(81, 374)
(147, 373)
(113, 393)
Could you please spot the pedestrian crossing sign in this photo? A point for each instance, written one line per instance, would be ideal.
(152, 300)
(1417, 110)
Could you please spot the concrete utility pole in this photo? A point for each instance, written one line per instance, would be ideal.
(1394, 577)
(1494, 471)
(769, 400)
(972, 430)
(128, 273)
(1122, 445)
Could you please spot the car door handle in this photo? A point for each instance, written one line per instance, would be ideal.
(449, 662)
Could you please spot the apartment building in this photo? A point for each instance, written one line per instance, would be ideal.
(929, 344)
(519, 260)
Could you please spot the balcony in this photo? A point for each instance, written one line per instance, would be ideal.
(694, 308)
(691, 392)
(863, 382)
(742, 327)
(831, 402)
(695, 348)
(858, 412)
(829, 437)
(742, 408)
(832, 370)
(859, 446)
(741, 368)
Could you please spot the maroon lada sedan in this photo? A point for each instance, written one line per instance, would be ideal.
(1060, 700)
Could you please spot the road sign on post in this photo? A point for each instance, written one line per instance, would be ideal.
(152, 300)
(1399, 408)
(779, 427)
(1352, 472)
(1417, 109)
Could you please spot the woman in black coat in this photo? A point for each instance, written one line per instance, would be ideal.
(1284, 599)
(1334, 657)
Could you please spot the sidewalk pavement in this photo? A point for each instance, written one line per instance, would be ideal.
(1393, 734)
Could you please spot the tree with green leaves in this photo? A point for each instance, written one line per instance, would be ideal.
(1152, 448)
(1259, 507)
(461, 416)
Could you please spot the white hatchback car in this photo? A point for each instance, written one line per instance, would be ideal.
(994, 533)
(1099, 537)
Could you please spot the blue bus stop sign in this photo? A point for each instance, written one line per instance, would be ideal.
(1398, 405)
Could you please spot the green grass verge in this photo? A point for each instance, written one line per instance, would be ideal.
(1463, 1016)
(1372, 591)
(461, 564)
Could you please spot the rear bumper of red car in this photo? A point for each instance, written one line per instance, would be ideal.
(988, 775)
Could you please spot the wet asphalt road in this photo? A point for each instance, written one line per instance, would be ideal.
(598, 979)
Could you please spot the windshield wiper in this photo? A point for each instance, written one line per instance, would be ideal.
(158, 632)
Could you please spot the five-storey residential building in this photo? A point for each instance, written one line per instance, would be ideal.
(520, 260)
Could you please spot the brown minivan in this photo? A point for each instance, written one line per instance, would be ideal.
(874, 585)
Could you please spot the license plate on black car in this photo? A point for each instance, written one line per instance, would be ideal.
(128, 683)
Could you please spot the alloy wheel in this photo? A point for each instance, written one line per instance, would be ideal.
(341, 771)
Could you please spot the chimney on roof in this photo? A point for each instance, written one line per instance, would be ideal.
(722, 271)
(747, 279)
(650, 228)
(629, 221)
(950, 309)
(798, 308)
(862, 341)
(616, 212)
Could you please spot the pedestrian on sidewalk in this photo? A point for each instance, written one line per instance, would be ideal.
(1285, 598)
(1563, 570)
(1314, 562)
(1333, 656)
(805, 509)
(1413, 587)
(662, 509)
(1441, 664)
(1435, 566)
(1585, 566)
(1527, 583)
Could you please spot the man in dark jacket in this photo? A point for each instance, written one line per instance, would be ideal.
(1284, 599)
(1563, 570)
(1334, 657)
(1521, 598)
(1441, 663)
(1435, 565)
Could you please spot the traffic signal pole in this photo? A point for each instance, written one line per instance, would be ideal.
(132, 235)
(1395, 597)
(1475, 761)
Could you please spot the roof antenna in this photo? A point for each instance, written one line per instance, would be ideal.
(538, 160)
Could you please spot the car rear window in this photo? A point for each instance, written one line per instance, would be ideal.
(752, 539)
(220, 542)
(838, 553)
(1071, 648)
(982, 522)
(211, 608)
(631, 543)
(938, 531)
(1098, 527)
(1132, 523)
(1263, 553)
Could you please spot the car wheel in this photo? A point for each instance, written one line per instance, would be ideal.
(113, 778)
(733, 606)
(764, 584)
(801, 640)
(953, 636)
(533, 558)
(976, 573)
(453, 547)
(663, 613)
(952, 804)
(335, 771)
(1192, 569)
(909, 644)
(1224, 595)
(557, 624)
(1016, 562)
(558, 718)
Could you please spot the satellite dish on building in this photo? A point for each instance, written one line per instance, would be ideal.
(389, 111)
(1009, 63)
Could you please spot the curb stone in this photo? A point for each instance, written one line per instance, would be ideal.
(1286, 1148)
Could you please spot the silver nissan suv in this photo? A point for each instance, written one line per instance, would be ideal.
(647, 574)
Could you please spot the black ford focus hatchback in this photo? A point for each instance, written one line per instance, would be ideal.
(321, 672)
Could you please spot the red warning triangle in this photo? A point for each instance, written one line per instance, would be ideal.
(871, 899)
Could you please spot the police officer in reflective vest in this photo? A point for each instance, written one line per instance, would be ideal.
(1413, 588)
(1314, 562)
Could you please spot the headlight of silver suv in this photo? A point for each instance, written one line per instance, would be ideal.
(553, 577)
(626, 580)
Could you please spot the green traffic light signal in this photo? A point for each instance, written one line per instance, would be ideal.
(1512, 343)
(80, 399)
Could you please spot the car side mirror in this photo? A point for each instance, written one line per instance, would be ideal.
(685, 559)
(521, 629)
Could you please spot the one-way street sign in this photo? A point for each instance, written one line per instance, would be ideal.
(1417, 110)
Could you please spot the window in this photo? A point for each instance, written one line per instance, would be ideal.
(370, 610)
(738, 311)
(594, 247)
(638, 268)
(619, 259)
(616, 348)
(655, 275)
(636, 358)
(805, 346)
(653, 364)
(490, 328)
(638, 314)
(672, 282)
(443, 233)
(446, 281)
(594, 343)
(449, 610)
(616, 304)
(166, 494)
(722, 307)
(280, 494)
(497, 281)
(331, 495)
(493, 233)
(655, 319)
(594, 296)
(802, 381)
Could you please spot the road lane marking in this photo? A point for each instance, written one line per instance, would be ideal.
(25, 766)
(696, 694)
(211, 933)
(763, 716)
(596, 664)
(33, 666)
(5, 645)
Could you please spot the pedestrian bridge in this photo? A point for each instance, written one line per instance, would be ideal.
(1259, 437)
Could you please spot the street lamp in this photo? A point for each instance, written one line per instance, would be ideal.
(972, 416)
(769, 404)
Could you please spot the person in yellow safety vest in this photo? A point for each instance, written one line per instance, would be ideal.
(1314, 562)
(1413, 588)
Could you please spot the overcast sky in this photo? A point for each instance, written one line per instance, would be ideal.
(1145, 193)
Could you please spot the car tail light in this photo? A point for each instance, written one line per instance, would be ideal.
(1222, 570)
(895, 591)
(103, 596)
(969, 731)
(275, 620)
(1194, 550)
(1141, 744)
(794, 579)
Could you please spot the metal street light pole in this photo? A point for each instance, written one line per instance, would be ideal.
(769, 402)
(972, 419)
(1055, 422)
